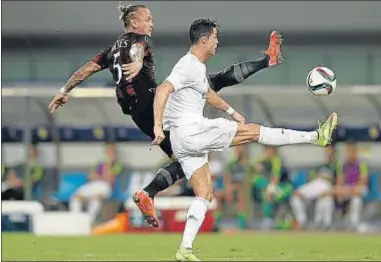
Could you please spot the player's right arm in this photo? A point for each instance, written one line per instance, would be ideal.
(161, 97)
(175, 81)
(78, 77)
(98, 63)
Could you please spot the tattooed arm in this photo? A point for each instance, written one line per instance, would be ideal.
(132, 69)
(81, 75)
(78, 77)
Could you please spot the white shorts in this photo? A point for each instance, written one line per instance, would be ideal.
(315, 188)
(96, 188)
(191, 143)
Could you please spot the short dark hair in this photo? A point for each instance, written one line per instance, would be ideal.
(127, 12)
(200, 28)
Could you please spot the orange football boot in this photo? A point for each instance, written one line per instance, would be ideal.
(275, 49)
(147, 207)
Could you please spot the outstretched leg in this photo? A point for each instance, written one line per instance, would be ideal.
(245, 133)
(279, 136)
(237, 73)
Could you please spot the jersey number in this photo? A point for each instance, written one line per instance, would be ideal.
(117, 67)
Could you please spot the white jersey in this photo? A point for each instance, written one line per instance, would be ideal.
(186, 105)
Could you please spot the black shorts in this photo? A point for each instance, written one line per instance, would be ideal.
(144, 119)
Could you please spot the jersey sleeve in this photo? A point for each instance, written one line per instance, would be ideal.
(101, 58)
(178, 77)
(184, 74)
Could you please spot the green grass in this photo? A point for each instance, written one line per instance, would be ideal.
(245, 246)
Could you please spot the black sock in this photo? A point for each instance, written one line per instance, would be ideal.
(165, 177)
(249, 68)
(237, 73)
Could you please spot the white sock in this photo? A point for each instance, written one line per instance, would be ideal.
(299, 209)
(75, 205)
(94, 207)
(355, 210)
(279, 136)
(324, 210)
(195, 217)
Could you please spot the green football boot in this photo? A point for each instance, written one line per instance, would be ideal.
(326, 129)
(186, 254)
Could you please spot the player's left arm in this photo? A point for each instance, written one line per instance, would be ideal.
(216, 101)
(132, 69)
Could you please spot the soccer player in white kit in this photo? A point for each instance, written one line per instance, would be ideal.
(178, 108)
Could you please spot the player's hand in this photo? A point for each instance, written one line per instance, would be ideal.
(132, 69)
(58, 101)
(159, 135)
(238, 117)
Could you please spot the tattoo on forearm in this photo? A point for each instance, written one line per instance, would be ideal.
(137, 53)
(81, 75)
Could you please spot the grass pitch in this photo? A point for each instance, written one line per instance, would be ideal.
(216, 247)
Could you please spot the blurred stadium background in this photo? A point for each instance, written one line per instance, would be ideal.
(44, 42)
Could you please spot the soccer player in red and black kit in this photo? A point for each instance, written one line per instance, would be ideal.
(131, 63)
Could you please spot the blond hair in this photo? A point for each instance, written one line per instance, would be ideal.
(127, 12)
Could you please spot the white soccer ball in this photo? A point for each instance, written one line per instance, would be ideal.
(321, 81)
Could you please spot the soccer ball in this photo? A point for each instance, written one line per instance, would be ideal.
(321, 81)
